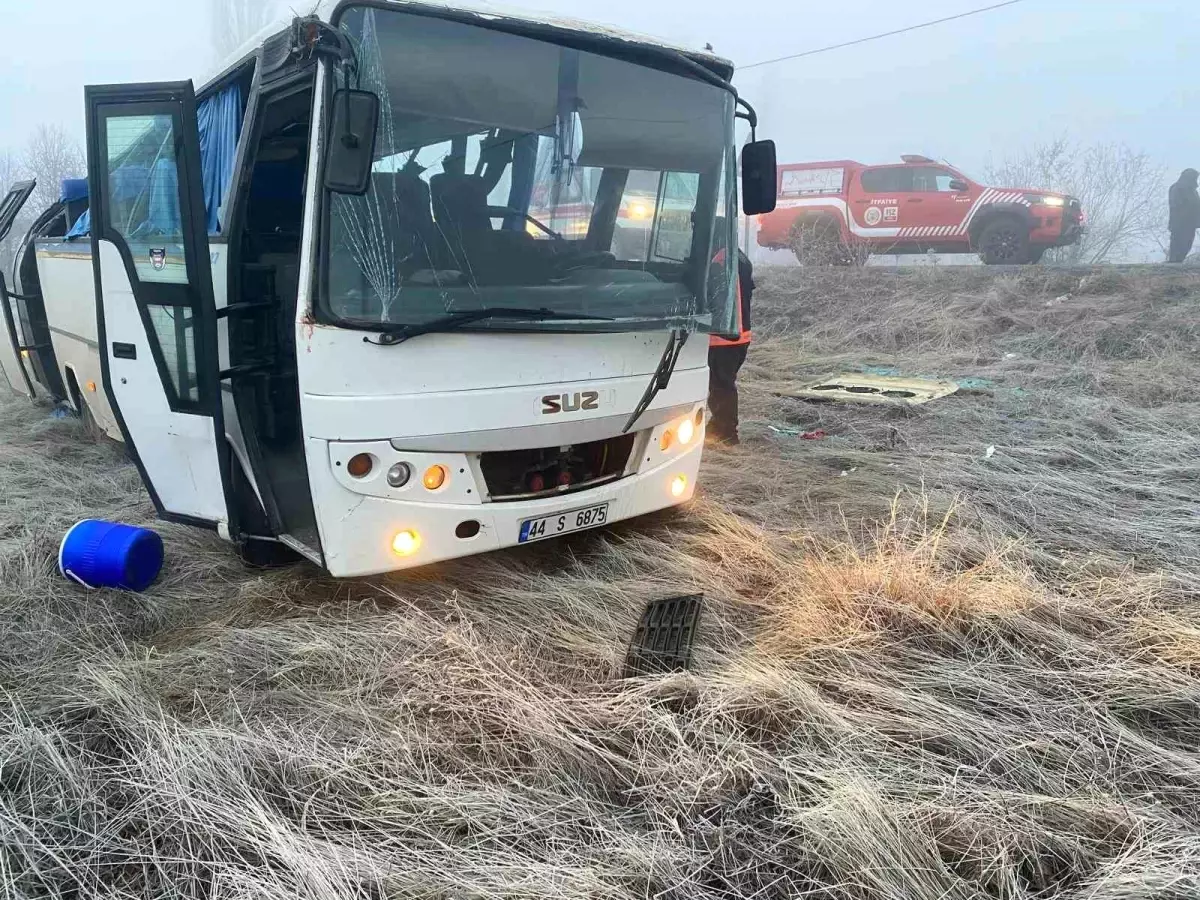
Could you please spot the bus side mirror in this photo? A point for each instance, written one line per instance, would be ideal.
(759, 178)
(350, 151)
(959, 185)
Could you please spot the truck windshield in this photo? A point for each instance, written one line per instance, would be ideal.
(512, 172)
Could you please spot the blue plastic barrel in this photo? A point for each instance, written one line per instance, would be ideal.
(108, 554)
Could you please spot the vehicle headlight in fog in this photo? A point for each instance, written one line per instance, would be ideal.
(639, 211)
(686, 431)
(679, 486)
(1053, 201)
(399, 474)
(406, 543)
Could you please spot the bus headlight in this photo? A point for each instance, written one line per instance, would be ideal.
(406, 543)
(679, 486)
(686, 431)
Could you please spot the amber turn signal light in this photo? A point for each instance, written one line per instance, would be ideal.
(360, 465)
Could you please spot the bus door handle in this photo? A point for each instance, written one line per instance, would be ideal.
(244, 308)
(246, 369)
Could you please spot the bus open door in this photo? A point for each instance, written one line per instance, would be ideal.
(12, 362)
(155, 307)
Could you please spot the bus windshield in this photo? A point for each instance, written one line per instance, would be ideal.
(512, 172)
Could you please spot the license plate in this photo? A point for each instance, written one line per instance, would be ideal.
(562, 523)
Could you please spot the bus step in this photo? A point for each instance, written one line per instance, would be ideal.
(664, 638)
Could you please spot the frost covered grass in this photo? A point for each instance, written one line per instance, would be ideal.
(937, 675)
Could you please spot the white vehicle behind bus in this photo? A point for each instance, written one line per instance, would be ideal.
(318, 301)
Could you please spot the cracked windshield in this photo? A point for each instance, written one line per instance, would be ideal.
(511, 172)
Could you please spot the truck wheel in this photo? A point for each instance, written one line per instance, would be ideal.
(1004, 242)
(1036, 254)
(817, 243)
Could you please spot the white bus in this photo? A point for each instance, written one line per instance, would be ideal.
(309, 300)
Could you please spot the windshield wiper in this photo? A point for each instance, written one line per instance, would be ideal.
(662, 375)
(452, 321)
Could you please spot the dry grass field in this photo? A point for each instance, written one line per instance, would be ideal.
(924, 670)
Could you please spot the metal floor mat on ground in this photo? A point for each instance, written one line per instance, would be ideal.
(854, 387)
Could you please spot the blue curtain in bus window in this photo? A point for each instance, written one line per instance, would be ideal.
(220, 119)
(129, 182)
(162, 209)
(82, 226)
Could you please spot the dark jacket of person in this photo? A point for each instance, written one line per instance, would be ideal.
(1184, 201)
(746, 283)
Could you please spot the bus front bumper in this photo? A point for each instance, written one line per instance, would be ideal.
(370, 535)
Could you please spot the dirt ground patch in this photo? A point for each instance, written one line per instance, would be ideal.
(925, 671)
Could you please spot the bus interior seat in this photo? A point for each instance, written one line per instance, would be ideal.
(464, 216)
(404, 208)
(460, 203)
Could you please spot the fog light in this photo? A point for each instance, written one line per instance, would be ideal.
(678, 486)
(360, 465)
(399, 474)
(435, 477)
(686, 431)
(667, 440)
(406, 543)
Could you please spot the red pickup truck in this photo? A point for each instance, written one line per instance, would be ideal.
(840, 212)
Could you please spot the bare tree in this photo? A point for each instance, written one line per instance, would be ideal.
(51, 156)
(234, 22)
(10, 173)
(10, 170)
(1123, 192)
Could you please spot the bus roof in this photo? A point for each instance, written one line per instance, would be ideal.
(485, 12)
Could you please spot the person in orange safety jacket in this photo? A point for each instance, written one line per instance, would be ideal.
(725, 358)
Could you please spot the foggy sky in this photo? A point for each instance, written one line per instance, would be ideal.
(1091, 69)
